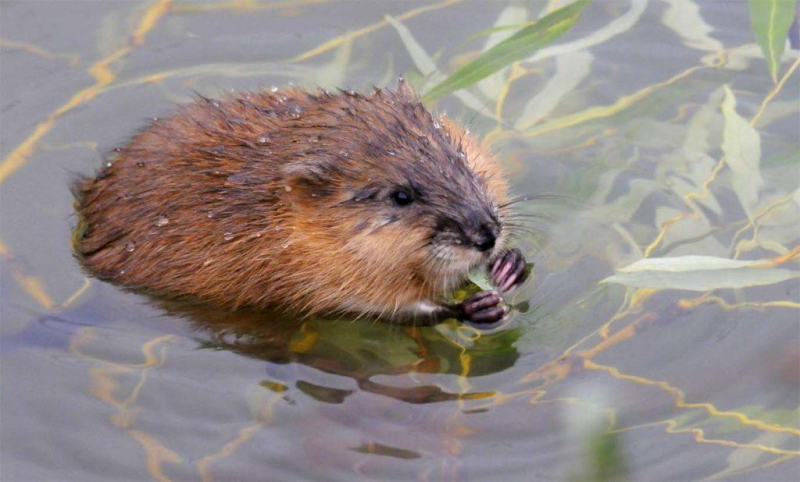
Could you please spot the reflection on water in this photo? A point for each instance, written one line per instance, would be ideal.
(658, 375)
(362, 351)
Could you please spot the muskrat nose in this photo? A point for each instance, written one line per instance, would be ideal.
(484, 240)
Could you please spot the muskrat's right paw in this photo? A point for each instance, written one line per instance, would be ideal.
(508, 270)
(483, 308)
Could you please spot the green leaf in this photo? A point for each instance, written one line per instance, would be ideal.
(516, 47)
(494, 84)
(427, 66)
(741, 146)
(699, 273)
(501, 28)
(770, 21)
(480, 276)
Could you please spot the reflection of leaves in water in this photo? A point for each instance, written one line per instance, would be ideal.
(359, 350)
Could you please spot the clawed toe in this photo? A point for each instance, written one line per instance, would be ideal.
(483, 308)
(508, 270)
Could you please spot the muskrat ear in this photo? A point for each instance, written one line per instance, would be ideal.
(310, 176)
(404, 89)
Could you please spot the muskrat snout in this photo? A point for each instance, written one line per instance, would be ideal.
(475, 233)
(484, 238)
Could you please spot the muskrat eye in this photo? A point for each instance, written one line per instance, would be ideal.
(402, 198)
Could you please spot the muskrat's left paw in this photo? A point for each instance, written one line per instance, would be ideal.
(508, 270)
(482, 308)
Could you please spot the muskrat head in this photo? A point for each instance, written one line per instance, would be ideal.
(398, 189)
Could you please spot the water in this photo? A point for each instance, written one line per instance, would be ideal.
(99, 383)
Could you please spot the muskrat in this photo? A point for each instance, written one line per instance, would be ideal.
(315, 201)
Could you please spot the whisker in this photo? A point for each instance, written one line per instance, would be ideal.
(570, 201)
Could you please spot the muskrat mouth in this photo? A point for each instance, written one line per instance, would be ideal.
(457, 259)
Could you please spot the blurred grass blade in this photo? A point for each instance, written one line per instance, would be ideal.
(699, 273)
(770, 21)
(501, 28)
(618, 26)
(516, 47)
(419, 56)
(571, 69)
(428, 70)
(741, 146)
(684, 18)
(493, 85)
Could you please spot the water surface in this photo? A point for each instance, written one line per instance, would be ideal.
(627, 117)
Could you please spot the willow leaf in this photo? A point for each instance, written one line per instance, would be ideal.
(741, 145)
(501, 28)
(516, 47)
(699, 273)
(770, 21)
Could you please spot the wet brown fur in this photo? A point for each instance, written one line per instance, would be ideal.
(264, 199)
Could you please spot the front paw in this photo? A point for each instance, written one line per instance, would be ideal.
(483, 308)
(508, 270)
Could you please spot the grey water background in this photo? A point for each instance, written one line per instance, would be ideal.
(679, 384)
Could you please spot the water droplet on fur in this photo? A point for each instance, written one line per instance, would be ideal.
(391, 153)
(207, 262)
(108, 163)
(210, 215)
(344, 153)
(273, 89)
(263, 139)
(215, 103)
(227, 236)
(122, 272)
(154, 119)
(437, 124)
(288, 188)
(117, 149)
(140, 164)
(162, 221)
(130, 246)
(462, 155)
(295, 111)
(313, 139)
(286, 244)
